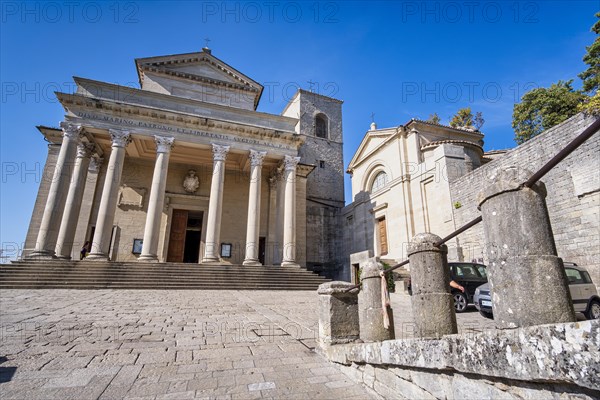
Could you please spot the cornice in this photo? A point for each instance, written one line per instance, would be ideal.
(132, 93)
(124, 110)
(188, 76)
(355, 162)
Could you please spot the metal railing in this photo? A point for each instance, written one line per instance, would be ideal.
(561, 155)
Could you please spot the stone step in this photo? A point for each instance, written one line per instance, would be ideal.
(156, 285)
(157, 275)
(132, 275)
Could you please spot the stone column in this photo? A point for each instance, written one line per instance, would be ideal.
(46, 240)
(213, 229)
(289, 218)
(66, 234)
(110, 192)
(279, 217)
(338, 313)
(370, 306)
(527, 280)
(432, 303)
(157, 199)
(253, 228)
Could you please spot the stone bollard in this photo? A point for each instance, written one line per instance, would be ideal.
(370, 306)
(432, 303)
(338, 313)
(527, 279)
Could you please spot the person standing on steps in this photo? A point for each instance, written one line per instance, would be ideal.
(84, 250)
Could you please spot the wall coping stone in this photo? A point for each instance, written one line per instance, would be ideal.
(568, 353)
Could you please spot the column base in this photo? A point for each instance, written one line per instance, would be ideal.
(252, 263)
(148, 258)
(40, 255)
(210, 260)
(66, 258)
(96, 257)
(290, 264)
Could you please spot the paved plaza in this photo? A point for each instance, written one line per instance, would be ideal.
(152, 344)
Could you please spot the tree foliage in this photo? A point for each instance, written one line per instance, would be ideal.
(591, 76)
(464, 118)
(591, 105)
(435, 118)
(543, 108)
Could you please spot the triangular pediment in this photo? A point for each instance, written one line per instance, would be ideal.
(192, 71)
(372, 141)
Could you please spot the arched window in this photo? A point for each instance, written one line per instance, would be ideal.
(321, 126)
(379, 182)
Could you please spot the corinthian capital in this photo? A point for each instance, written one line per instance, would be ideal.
(119, 138)
(219, 152)
(257, 157)
(70, 130)
(164, 144)
(290, 163)
(85, 150)
(95, 164)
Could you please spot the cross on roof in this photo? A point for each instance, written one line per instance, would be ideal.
(372, 117)
(311, 83)
(206, 40)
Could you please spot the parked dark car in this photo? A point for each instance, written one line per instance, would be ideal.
(468, 275)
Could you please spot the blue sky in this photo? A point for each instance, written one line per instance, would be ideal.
(399, 60)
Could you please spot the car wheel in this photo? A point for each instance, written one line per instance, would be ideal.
(460, 302)
(487, 315)
(593, 310)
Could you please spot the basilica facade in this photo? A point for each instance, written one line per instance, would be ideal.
(186, 170)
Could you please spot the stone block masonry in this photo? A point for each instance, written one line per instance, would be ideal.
(512, 364)
(573, 194)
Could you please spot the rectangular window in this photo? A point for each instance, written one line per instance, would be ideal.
(321, 164)
(383, 242)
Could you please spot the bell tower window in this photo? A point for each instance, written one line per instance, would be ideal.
(321, 126)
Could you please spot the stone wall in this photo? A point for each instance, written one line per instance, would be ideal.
(546, 361)
(325, 184)
(573, 194)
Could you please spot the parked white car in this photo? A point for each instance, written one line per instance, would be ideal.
(583, 292)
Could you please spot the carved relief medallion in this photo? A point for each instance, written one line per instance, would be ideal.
(191, 183)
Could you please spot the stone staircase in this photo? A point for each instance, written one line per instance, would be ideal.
(133, 275)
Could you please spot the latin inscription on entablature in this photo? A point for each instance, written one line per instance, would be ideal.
(131, 123)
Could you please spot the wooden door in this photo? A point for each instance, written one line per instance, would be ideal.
(177, 236)
(383, 242)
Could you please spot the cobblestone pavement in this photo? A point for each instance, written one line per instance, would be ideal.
(71, 344)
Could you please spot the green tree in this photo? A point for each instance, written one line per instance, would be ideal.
(435, 118)
(543, 108)
(464, 118)
(591, 105)
(591, 76)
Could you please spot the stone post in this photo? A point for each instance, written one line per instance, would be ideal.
(110, 192)
(527, 279)
(433, 309)
(370, 306)
(215, 204)
(338, 313)
(157, 199)
(289, 218)
(48, 232)
(253, 226)
(68, 225)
